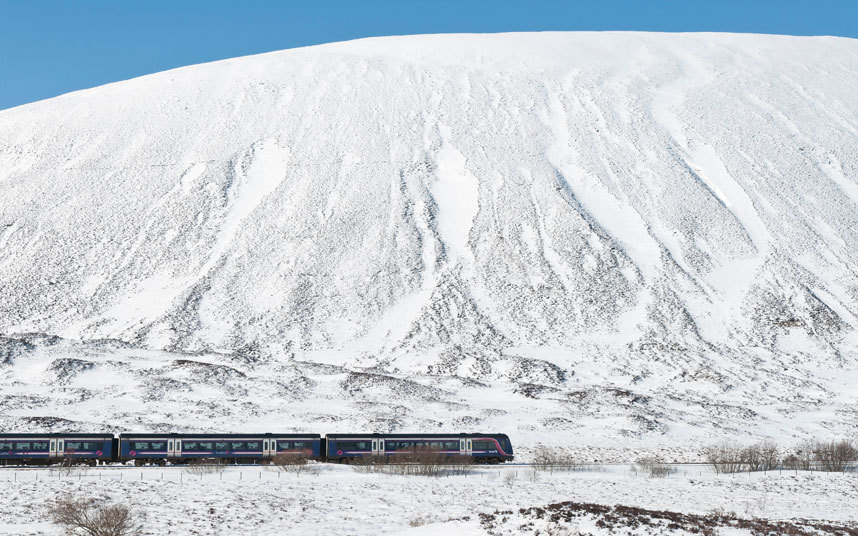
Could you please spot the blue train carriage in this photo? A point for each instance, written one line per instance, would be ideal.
(483, 448)
(158, 449)
(48, 449)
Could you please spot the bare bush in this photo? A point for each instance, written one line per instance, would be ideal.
(654, 467)
(368, 464)
(751, 458)
(86, 517)
(69, 466)
(835, 456)
(426, 462)
(770, 456)
(205, 466)
(547, 458)
(297, 464)
(764, 456)
(417, 462)
(285, 460)
(801, 457)
(725, 457)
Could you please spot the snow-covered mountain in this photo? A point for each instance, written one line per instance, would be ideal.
(617, 234)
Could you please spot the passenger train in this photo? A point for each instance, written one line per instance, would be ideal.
(161, 449)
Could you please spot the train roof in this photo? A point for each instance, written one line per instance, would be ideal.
(224, 436)
(417, 434)
(56, 434)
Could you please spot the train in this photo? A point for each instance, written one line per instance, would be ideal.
(260, 448)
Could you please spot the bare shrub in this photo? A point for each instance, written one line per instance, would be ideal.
(85, 517)
(835, 456)
(417, 462)
(419, 521)
(725, 457)
(427, 462)
(368, 464)
(509, 478)
(69, 466)
(295, 464)
(286, 460)
(547, 458)
(801, 457)
(770, 456)
(205, 466)
(654, 467)
(751, 458)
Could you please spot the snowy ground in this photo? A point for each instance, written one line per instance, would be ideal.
(340, 500)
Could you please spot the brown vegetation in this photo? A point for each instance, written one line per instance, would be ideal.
(86, 517)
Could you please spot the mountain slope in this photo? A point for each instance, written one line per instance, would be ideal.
(667, 214)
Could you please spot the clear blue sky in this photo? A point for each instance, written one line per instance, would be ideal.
(52, 47)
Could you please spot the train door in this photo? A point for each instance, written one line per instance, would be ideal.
(61, 448)
(268, 447)
(465, 446)
(174, 448)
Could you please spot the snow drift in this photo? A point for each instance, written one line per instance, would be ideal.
(642, 229)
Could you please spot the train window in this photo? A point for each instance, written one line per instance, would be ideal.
(6, 446)
(354, 445)
(198, 446)
(159, 445)
(140, 445)
(292, 445)
(451, 445)
(81, 445)
(20, 445)
(484, 445)
(254, 445)
(223, 445)
(237, 445)
(40, 445)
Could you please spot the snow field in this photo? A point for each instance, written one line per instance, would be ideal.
(340, 500)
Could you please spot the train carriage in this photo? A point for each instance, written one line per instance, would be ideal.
(47, 449)
(230, 448)
(482, 448)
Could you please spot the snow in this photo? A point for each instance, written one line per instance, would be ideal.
(338, 499)
(621, 241)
